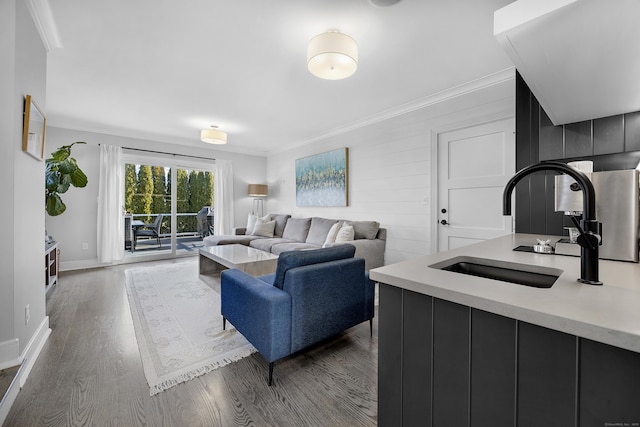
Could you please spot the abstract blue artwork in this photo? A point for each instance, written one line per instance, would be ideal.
(322, 179)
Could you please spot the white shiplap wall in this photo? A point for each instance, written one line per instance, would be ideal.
(390, 167)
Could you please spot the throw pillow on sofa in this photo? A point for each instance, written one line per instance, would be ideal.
(319, 229)
(263, 228)
(251, 222)
(365, 229)
(331, 235)
(297, 229)
(281, 222)
(345, 234)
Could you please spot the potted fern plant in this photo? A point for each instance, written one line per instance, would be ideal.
(61, 172)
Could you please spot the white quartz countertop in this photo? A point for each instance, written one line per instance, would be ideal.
(609, 313)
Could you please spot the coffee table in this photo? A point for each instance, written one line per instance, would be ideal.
(253, 261)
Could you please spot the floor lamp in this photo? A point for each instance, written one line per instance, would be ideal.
(258, 192)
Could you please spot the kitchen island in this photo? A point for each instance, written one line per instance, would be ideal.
(460, 350)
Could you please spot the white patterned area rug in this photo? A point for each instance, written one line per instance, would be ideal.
(178, 325)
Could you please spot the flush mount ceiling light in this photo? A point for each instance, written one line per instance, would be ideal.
(332, 55)
(213, 136)
(384, 3)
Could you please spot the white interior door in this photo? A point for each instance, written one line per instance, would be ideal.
(474, 164)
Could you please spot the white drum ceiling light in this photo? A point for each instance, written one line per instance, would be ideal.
(384, 3)
(213, 136)
(332, 55)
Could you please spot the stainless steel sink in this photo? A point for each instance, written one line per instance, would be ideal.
(521, 274)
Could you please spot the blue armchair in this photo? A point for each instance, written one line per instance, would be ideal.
(313, 295)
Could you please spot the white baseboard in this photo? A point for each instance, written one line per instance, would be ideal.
(10, 353)
(81, 265)
(94, 263)
(9, 398)
(29, 357)
(33, 349)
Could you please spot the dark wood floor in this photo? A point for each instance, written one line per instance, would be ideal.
(6, 378)
(90, 374)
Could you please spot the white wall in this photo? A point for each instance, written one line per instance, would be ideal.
(390, 167)
(29, 185)
(22, 72)
(7, 148)
(77, 225)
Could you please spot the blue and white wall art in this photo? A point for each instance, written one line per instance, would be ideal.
(322, 179)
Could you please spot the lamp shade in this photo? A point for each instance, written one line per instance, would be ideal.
(332, 56)
(213, 136)
(258, 190)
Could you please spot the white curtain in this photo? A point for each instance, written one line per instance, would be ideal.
(223, 198)
(110, 205)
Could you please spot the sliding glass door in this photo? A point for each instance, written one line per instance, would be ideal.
(168, 205)
(194, 217)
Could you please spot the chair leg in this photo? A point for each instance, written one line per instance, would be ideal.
(224, 323)
(371, 327)
(270, 373)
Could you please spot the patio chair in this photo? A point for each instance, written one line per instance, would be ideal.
(150, 230)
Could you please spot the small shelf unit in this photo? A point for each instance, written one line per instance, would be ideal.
(51, 260)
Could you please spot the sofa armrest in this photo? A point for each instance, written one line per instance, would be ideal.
(371, 250)
(259, 311)
(268, 278)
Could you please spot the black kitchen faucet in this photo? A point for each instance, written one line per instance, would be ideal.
(589, 229)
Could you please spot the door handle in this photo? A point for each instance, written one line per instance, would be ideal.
(444, 222)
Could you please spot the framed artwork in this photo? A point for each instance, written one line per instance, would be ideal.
(33, 129)
(323, 179)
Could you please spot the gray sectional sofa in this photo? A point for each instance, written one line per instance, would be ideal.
(292, 234)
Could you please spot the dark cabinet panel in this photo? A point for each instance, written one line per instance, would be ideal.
(546, 377)
(493, 369)
(522, 195)
(450, 364)
(553, 219)
(609, 385)
(390, 356)
(527, 110)
(538, 203)
(443, 364)
(551, 139)
(537, 139)
(608, 135)
(632, 131)
(577, 140)
(416, 359)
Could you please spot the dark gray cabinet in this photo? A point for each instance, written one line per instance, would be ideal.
(612, 143)
(609, 385)
(416, 364)
(546, 377)
(443, 364)
(450, 363)
(493, 357)
(390, 355)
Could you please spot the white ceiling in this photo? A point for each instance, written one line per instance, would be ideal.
(163, 69)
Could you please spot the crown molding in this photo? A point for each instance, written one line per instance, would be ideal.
(493, 79)
(42, 16)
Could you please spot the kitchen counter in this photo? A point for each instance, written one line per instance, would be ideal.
(462, 350)
(608, 314)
